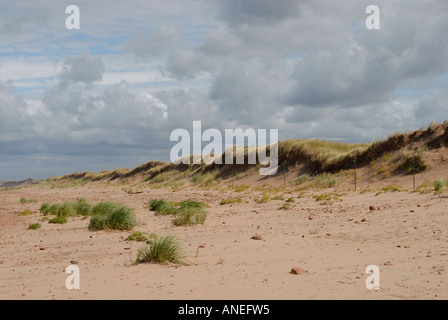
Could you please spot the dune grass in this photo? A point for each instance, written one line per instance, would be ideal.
(162, 250)
(26, 212)
(190, 216)
(45, 208)
(137, 236)
(34, 226)
(326, 152)
(83, 207)
(439, 184)
(25, 200)
(230, 201)
(105, 207)
(162, 207)
(58, 220)
(119, 218)
(186, 212)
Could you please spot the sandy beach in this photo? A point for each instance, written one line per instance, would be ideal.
(405, 237)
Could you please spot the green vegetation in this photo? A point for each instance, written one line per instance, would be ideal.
(265, 198)
(329, 198)
(58, 220)
(137, 236)
(439, 184)
(241, 188)
(34, 226)
(190, 216)
(120, 218)
(26, 212)
(162, 250)
(83, 207)
(231, 201)
(25, 201)
(45, 208)
(105, 208)
(186, 212)
(162, 207)
(286, 206)
(326, 153)
(301, 179)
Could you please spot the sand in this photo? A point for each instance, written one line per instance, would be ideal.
(407, 238)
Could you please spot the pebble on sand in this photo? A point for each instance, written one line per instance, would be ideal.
(297, 271)
(257, 237)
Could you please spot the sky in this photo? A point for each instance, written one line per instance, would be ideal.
(109, 95)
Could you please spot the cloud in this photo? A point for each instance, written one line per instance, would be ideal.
(14, 119)
(84, 69)
(137, 70)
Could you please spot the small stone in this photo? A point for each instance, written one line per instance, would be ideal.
(202, 246)
(363, 220)
(74, 262)
(388, 263)
(310, 218)
(412, 211)
(372, 208)
(42, 248)
(297, 271)
(257, 237)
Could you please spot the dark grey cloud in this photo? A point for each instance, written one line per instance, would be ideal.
(259, 11)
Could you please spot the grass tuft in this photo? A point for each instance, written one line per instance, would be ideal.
(121, 218)
(26, 212)
(34, 226)
(58, 220)
(190, 216)
(25, 200)
(162, 250)
(137, 236)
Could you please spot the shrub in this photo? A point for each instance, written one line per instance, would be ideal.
(122, 218)
(59, 220)
(162, 250)
(34, 226)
